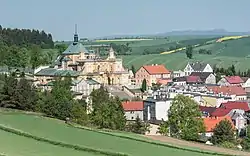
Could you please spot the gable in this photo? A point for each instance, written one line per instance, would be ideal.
(208, 68)
(141, 70)
(188, 68)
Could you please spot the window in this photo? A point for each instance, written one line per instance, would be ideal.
(132, 112)
(132, 118)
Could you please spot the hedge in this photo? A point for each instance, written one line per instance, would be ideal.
(152, 142)
(76, 147)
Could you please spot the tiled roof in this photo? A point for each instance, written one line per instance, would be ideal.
(230, 90)
(209, 110)
(132, 105)
(163, 81)
(203, 75)
(235, 105)
(56, 72)
(92, 82)
(198, 66)
(210, 123)
(193, 79)
(219, 112)
(156, 69)
(75, 48)
(234, 79)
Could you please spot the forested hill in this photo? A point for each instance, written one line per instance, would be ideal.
(25, 37)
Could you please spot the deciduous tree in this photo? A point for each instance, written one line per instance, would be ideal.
(184, 120)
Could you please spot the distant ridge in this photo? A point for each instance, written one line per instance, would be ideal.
(213, 32)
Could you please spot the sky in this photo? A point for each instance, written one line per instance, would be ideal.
(97, 18)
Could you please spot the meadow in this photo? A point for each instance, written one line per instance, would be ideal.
(58, 131)
(224, 54)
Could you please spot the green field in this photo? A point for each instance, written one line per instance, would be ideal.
(224, 54)
(58, 131)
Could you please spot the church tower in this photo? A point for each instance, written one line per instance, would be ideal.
(111, 53)
(75, 35)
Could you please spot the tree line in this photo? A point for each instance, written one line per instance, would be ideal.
(26, 37)
(105, 111)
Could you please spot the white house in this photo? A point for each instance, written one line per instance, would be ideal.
(133, 109)
(246, 83)
(197, 67)
(231, 81)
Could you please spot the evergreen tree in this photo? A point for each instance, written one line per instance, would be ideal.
(138, 126)
(144, 85)
(184, 120)
(189, 52)
(223, 132)
(133, 70)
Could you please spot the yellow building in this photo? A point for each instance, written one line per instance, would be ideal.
(85, 64)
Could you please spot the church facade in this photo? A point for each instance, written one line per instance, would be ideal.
(88, 64)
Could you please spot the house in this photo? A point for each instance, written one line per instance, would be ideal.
(156, 110)
(207, 111)
(211, 122)
(246, 83)
(187, 80)
(231, 81)
(237, 93)
(236, 110)
(206, 77)
(197, 67)
(133, 109)
(152, 74)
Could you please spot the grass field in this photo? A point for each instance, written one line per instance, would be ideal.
(14, 145)
(58, 131)
(224, 54)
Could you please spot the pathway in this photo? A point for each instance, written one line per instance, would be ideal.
(200, 146)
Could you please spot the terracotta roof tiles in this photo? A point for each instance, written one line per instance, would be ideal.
(210, 123)
(156, 69)
(132, 105)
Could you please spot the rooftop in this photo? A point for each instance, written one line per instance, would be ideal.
(198, 66)
(234, 79)
(132, 105)
(75, 48)
(211, 122)
(156, 69)
(56, 72)
(230, 90)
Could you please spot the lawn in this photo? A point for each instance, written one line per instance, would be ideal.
(14, 145)
(58, 131)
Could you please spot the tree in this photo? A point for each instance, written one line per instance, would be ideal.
(138, 126)
(144, 85)
(246, 140)
(107, 111)
(61, 48)
(133, 70)
(184, 120)
(223, 132)
(189, 52)
(35, 57)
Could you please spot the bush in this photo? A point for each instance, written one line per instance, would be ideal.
(227, 144)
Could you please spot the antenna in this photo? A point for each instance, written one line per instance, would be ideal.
(75, 28)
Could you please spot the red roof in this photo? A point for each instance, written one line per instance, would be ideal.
(164, 81)
(210, 123)
(220, 112)
(225, 108)
(207, 109)
(156, 69)
(234, 79)
(230, 90)
(132, 105)
(193, 79)
(235, 105)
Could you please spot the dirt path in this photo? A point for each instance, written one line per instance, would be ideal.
(197, 145)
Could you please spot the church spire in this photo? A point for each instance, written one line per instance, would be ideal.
(75, 35)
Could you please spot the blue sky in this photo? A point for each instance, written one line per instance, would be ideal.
(111, 17)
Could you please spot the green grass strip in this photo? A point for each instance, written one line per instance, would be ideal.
(151, 142)
(75, 147)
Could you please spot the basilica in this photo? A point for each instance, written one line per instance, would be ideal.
(81, 63)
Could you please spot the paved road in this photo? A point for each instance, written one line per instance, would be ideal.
(198, 145)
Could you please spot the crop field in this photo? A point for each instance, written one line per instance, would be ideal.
(224, 54)
(58, 131)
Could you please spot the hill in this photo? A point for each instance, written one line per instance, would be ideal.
(26, 134)
(224, 54)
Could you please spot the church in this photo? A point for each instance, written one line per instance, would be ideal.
(81, 63)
